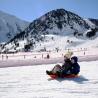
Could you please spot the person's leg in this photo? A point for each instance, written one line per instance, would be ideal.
(49, 72)
(55, 70)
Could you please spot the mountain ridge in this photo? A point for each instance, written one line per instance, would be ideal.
(56, 22)
(10, 25)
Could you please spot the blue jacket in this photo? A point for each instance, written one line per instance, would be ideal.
(75, 68)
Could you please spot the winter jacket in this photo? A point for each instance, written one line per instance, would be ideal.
(66, 66)
(75, 68)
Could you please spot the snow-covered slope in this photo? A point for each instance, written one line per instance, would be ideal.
(56, 26)
(89, 22)
(57, 42)
(32, 82)
(10, 26)
(95, 21)
(93, 43)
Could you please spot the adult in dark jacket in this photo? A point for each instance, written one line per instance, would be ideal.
(61, 70)
(75, 66)
(66, 66)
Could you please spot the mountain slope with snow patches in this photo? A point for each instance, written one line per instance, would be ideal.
(61, 24)
(94, 21)
(10, 26)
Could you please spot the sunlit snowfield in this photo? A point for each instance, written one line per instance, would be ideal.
(32, 82)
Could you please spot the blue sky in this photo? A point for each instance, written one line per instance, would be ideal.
(32, 9)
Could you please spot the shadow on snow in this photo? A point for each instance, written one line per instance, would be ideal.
(80, 80)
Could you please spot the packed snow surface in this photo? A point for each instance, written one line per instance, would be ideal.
(32, 82)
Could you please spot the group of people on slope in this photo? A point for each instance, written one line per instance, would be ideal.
(70, 66)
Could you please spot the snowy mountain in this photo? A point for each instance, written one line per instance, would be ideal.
(10, 26)
(55, 27)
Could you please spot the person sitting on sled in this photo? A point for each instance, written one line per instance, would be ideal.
(60, 70)
(75, 69)
(66, 66)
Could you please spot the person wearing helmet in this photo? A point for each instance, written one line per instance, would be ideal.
(75, 66)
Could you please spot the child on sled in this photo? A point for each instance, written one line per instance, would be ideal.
(70, 66)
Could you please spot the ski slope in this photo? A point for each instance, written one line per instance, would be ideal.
(32, 82)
